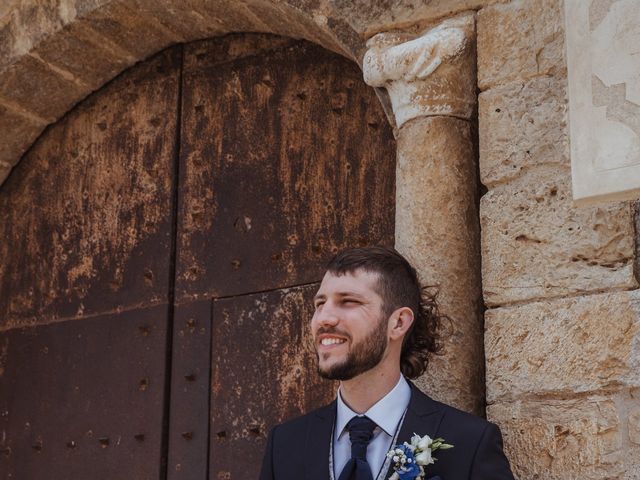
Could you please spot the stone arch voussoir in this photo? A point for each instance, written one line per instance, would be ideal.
(56, 52)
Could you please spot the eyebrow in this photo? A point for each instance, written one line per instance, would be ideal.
(322, 296)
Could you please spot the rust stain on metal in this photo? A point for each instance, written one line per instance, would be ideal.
(74, 411)
(266, 333)
(274, 180)
(88, 210)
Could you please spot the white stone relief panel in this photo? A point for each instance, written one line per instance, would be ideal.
(603, 57)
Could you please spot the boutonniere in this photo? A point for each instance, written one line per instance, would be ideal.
(409, 459)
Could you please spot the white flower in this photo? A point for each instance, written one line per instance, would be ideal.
(419, 452)
(424, 457)
(425, 442)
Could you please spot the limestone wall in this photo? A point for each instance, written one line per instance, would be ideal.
(562, 329)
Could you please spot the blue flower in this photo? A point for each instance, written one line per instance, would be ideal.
(405, 466)
(409, 471)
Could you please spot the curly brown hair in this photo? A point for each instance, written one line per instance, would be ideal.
(398, 285)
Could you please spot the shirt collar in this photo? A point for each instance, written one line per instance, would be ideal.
(386, 412)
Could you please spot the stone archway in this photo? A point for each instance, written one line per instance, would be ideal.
(58, 54)
(163, 244)
(75, 46)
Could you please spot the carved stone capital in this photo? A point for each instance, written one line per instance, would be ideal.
(425, 75)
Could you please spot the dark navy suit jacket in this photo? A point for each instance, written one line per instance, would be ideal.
(299, 449)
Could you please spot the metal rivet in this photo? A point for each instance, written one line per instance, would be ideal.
(71, 444)
(187, 435)
(37, 446)
(144, 383)
(221, 434)
(191, 377)
(144, 330)
(104, 442)
(139, 437)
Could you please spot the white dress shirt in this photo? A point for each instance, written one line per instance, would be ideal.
(387, 413)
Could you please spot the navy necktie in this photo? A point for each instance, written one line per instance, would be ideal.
(360, 433)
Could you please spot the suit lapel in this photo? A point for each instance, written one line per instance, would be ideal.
(423, 418)
(317, 443)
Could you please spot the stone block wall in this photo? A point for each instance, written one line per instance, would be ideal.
(562, 329)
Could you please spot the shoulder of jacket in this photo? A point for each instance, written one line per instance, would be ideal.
(301, 422)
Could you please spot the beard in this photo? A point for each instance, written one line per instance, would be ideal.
(362, 357)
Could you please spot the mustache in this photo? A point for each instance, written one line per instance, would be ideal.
(331, 331)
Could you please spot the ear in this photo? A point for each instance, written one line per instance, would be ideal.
(400, 322)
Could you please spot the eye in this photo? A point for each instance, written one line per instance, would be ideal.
(318, 304)
(350, 301)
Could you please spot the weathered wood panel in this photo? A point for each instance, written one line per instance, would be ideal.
(83, 399)
(263, 372)
(286, 157)
(86, 222)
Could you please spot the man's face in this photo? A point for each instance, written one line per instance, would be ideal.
(348, 326)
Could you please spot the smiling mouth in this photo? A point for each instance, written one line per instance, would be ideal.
(332, 341)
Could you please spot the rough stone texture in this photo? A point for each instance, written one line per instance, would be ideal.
(136, 34)
(563, 347)
(437, 228)
(367, 17)
(53, 53)
(87, 57)
(186, 19)
(18, 132)
(560, 439)
(431, 74)
(520, 40)
(522, 125)
(536, 244)
(311, 21)
(634, 425)
(5, 170)
(22, 84)
(22, 25)
(72, 35)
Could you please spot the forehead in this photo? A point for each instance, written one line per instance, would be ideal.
(359, 282)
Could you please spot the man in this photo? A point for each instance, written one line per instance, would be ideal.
(373, 326)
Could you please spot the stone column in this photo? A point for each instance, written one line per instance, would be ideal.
(431, 83)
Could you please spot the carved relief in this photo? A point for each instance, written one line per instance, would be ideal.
(615, 81)
(603, 56)
(429, 74)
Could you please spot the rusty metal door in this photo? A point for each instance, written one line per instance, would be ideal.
(161, 245)
(85, 282)
(286, 157)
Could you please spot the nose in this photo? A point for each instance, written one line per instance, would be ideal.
(325, 316)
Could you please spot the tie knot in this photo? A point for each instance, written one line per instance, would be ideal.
(360, 433)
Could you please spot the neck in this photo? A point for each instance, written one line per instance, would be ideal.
(362, 392)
